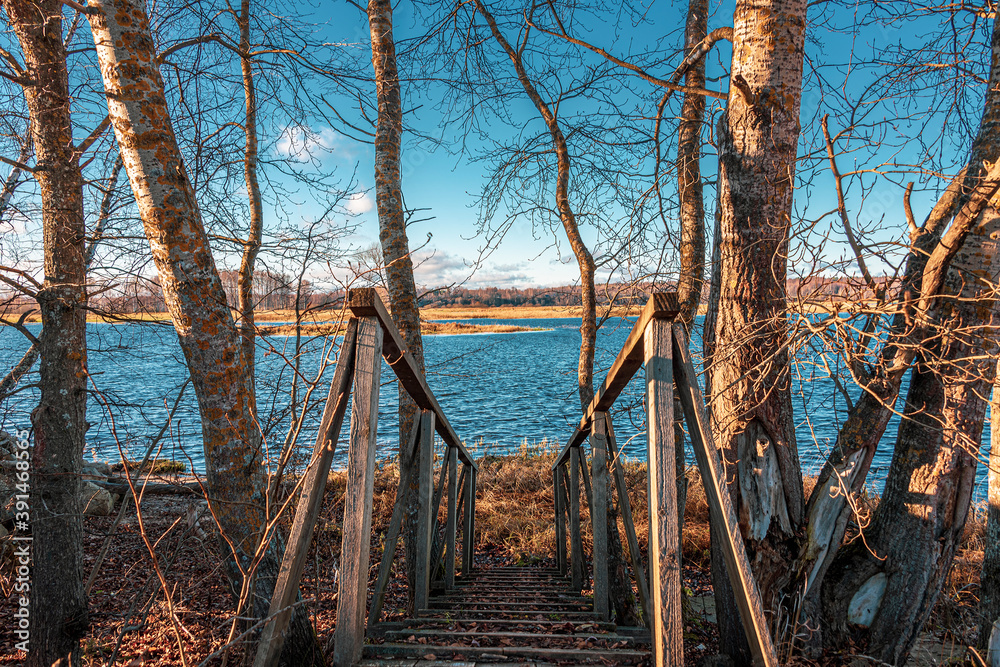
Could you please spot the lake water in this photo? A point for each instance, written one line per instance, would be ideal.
(498, 391)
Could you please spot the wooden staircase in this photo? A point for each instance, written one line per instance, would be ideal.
(510, 615)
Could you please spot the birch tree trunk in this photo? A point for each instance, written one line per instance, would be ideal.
(989, 595)
(752, 409)
(396, 247)
(244, 279)
(692, 214)
(197, 303)
(58, 604)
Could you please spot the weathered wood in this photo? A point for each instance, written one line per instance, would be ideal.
(473, 487)
(468, 528)
(426, 514)
(560, 520)
(437, 543)
(720, 505)
(349, 635)
(286, 588)
(367, 303)
(577, 565)
(661, 305)
(625, 506)
(451, 527)
(585, 474)
(395, 524)
(667, 623)
(599, 514)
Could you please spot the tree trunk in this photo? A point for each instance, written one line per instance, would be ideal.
(395, 245)
(928, 490)
(244, 280)
(752, 409)
(989, 596)
(620, 588)
(197, 303)
(692, 214)
(58, 603)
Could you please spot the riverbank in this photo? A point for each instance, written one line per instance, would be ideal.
(426, 329)
(130, 618)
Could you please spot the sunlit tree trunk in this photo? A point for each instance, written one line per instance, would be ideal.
(620, 588)
(251, 247)
(751, 401)
(196, 300)
(395, 245)
(58, 604)
(692, 212)
(911, 541)
(989, 595)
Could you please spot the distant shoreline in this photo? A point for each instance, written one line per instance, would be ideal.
(426, 329)
(330, 317)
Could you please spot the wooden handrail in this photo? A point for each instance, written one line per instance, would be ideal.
(661, 306)
(366, 302)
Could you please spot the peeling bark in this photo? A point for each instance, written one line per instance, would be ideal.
(58, 603)
(197, 303)
(752, 409)
(989, 596)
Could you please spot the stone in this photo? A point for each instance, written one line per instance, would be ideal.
(95, 500)
(95, 471)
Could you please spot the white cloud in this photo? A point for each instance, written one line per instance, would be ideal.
(360, 202)
(301, 143)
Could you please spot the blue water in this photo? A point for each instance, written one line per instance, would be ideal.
(498, 391)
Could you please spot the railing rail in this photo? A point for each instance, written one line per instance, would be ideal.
(661, 346)
(370, 337)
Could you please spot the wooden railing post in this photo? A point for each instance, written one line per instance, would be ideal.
(426, 513)
(625, 506)
(721, 511)
(599, 513)
(451, 528)
(576, 541)
(469, 526)
(664, 549)
(313, 486)
(350, 632)
(560, 520)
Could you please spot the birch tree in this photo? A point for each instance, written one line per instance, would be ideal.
(398, 271)
(749, 373)
(196, 300)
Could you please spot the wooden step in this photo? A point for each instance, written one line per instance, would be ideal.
(580, 626)
(578, 656)
(535, 637)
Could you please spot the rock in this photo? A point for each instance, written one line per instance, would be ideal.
(95, 471)
(95, 500)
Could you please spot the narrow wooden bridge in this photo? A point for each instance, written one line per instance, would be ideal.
(468, 615)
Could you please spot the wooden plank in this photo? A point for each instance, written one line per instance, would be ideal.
(349, 635)
(426, 512)
(468, 531)
(667, 623)
(451, 527)
(599, 514)
(625, 507)
(474, 484)
(286, 588)
(560, 520)
(577, 565)
(366, 302)
(661, 306)
(395, 524)
(720, 505)
(585, 474)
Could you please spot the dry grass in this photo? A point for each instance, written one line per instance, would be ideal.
(426, 328)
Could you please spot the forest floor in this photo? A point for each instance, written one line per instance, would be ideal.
(129, 618)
